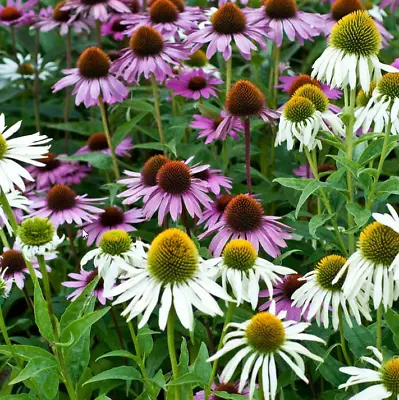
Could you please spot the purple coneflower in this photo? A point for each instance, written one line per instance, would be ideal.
(168, 17)
(228, 387)
(148, 54)
(17, 14)
(50, 18)
(214, 214)
(97, 9)
(54, 171)
(194, 84)
(62, 204)
(81, 281)
(92, 79)
(208, 127)
(177, 189)
(98, 142)
(229, 24)
(282, 292)
(283, 16)
(290, 84)
(114, 28)
(394, 4)
(214, 179)
(112, 218)
(244, 218)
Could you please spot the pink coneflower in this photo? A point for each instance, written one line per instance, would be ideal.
(92, 79)
(140, 183)
(283, 16)
(214, 179)
(82, 280)
(208, 127)
(341, 8)
(176, 188)
(194, 84)
(244, 218)
(229, 24)
(98, 142)
(112, 218)
(393, 3)
(97, 9)
(214, 214)
(290, 84)
(50, 18)
(228, 387)
(304, 171)
(114, 28)
(54, 171)
(63, 205)
(282, 293)
(17, 14)
(168, 17)
(148, 54)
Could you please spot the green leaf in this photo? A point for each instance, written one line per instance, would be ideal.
(118, 353)
(392, 319)
(201, 367)
(374, 149)
(123, 373)
(126, 128)
(19, 397)
(139, 105)
(188, 379)
(42, 316)
(361, 214)
(308, 191)
(358, 338)
(27, 352)
(150, 145)
(350, 165)
(294, 183)
(96, 158)
(316, 222)
(34, 367)
(82, 127)
(390, 186)
(279, 260)
(229, 396)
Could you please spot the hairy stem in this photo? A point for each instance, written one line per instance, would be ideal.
(157, 108)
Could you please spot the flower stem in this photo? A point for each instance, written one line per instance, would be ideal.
(227, 320)
(36, 89)
(247, 129)
(342, 336)
(68, 51)
(13, 41)
(379, 327)
(229, 64)
(157, 108)
(7, 209)
(260, 384)
(3, 329)
(3, 238)
(98, 34)
(108, 136)
(172, 349)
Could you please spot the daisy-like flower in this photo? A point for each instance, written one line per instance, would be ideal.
(173, 271)
(198, 60)
(63, 205)
(141, 183)
(4, 285)
(37, 236)
(115, 251)
(228, 24)
(55, 170)
(264, 338)
(81, 281)
(214, 179)
(290, 84)
(112, 218)
(50, 18)
(362, 100)
(25, 149)
(168, 17)
(24, 69)
(214, 214)
(304, 115)
(384, 381)
(282, 296)
(283, 17)
(341, 8)
(374, 267)
(114, 28)
(18, 204)
(98, 142)
(16, 13)
(97, 9)
(382, 110)
(177, 187)
(244, 100)
(354, 42)
(149, 53)
(92, 78)
(319, 297)
(208, 127)
(244, 218)
(391, 221)
(393, 3)
(228, 387)
(194, 84)
(242, 269)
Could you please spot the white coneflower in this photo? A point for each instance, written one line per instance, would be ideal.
(382, 110)
(25, 149)
(173, 271)
(241, 267)
(262, 339)
(362, 100)
(18, 203)
(373, 266)
(37, 236)
(115, 251)
(5, 283)
(351, 56)
(389, 220)
(384, 380)
(320, 297)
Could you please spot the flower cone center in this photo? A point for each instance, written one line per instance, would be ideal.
(93, 2)
(222, 202)
(203, 175)
(315, 95)
(173, 257)
(111, 216)
(50, 162)
(244, 213)
(239, 254)
(36, 231)
(134, 6)
(179, 4)
(151, 168)
(341, 8)
(197, 59)
(117, 26)
(390, 376)
(163, 11)
(3, 147)
(363, 98)
(93, 63)
(298, 109)
(174, 178)
(389, 85)
(26, 69)
(302, 80)
(97, 142)
(228, 387)
(291, 283)
(280, 9)
(217, 121)
(115, 242)
(146, 41)
(244, 99)
(326, 271)
(61, 15)
(13, 260)
(197, 83)
(228, 20)
(61, 197)
(9, 14)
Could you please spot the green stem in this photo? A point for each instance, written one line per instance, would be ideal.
(3, 238)
(247, 130)
(379, 327)
(157, 108)
(260, 384)
(13, 41)
(108, 136)
(7, 340)
(98, 34)
(227, 320)
(8, 210)
(36, 89)
(68, 50)
(229, 64)
(172, 349)
(342, 336)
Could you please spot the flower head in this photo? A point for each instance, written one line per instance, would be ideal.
(214, 179)
(394, 4)
(392, 221)
(114, 28)
(213, 215)
(14, 13)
